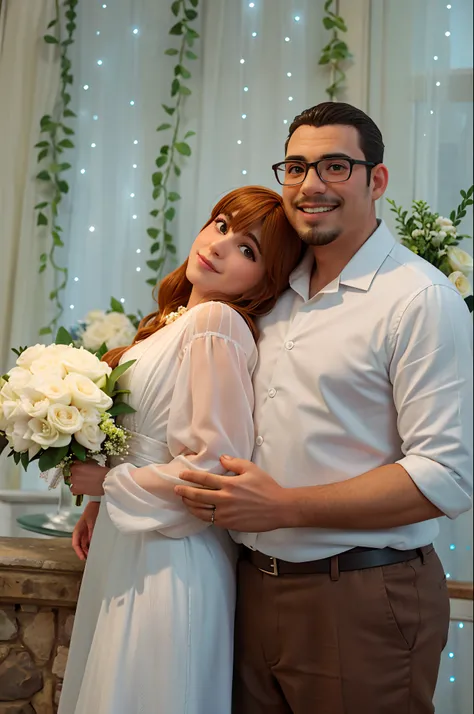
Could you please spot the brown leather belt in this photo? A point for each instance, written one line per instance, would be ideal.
(355, 559)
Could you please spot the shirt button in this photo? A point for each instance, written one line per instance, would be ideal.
(259, 440)
(272, 392)
(289, 345)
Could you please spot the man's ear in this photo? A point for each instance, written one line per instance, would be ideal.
(379, 181)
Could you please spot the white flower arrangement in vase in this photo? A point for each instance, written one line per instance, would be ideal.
(436, 239)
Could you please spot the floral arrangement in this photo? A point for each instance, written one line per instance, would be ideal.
(58, 404)
(111, 328)
(436, 238)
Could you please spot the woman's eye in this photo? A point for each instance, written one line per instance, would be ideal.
(221, 226)
(248, 252)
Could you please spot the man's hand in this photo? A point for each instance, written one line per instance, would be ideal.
(82, 534)
(88, 478)
(251, 501)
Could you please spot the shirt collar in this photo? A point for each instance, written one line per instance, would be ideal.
(360, 270)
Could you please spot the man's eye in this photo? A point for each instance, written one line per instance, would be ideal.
(294, 169)
(337, 168)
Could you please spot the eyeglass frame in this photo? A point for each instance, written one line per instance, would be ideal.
(314, 165)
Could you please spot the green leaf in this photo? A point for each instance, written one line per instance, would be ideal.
(161, 160)
(69, 113)
(52, 23)
(155, 247)
(171, 248)
(168, 110)
(194, 3)
(165, 149)
(63, 337)
(25, 460)
(177, 170)
(157, 178)
(327, 5)
(67, 130)
(70, 27)
(162, 127)
(78, 450)
(64, 166)
(41, 144)
(50, 40)
(63, 186)
(173, 196)
(103, 349)
(41, 270)
(189, 133)
(470, 191)
(42, 154)
(183, 148)
(184, 90)
(191, 14)
(175, 85)
(191, 55)
(180, 70)
(16, 457)
(328, 23)
(66, 144)
(177, 29)
(45, 330)
(463, 193)
(154, 212)
(192, 33)
(121, 408)
(43, 204)
(168, 238)
(116, 305)
(43, 176)
(156, 192)
(340, 24)
(170, 213)
(171, 52)
(153, 232)
(175, 7)
(50, 458)
(41, 220)
(117, 373)
(151, 281)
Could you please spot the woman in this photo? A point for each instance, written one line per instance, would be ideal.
(154, 623)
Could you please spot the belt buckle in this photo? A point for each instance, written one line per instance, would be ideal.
(274, 564)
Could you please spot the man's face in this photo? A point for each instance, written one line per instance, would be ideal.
(351, 202)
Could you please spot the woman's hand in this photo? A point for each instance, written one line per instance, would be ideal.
(87, 478)
(82, 534)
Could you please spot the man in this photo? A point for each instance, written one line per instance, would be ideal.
(363, 423)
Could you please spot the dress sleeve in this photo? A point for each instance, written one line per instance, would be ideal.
(210, 415)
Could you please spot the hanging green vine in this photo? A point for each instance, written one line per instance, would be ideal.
(336, 51)
(57, 139)
(163, 248)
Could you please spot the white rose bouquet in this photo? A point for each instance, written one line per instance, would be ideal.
(111, 328)
(436, 238)
(59, 404)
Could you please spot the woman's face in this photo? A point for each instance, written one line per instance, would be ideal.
(224, 263)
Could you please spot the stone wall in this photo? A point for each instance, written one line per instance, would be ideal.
(39, 585)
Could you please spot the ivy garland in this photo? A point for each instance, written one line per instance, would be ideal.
(336, 51)
(56, 141)
(163, 247)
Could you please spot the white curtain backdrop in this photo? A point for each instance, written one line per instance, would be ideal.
(260, 62)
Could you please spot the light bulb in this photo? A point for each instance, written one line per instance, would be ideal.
(254, 34)
(431, 111)
(97, 33)
(239, 141)
(132, 103)
(104, 6)
(288, 74)
(132, 195)
(438, 84)
(448, 34)
(285, 121)
(135, 30)
(134, 217)
(134, 166)
(452, 679)
(449, 7)
(244, 116)
(99, 62)
(290, 99)
(244, 172)
(138, 250)
(93, 145)
(136, 141)
(138, 270)
(86, 87)
(95, 117)
(297, 18)
(71, 307)
(461, 625)
(251, 4)
(76, 280)
(435, 57)
(122, 300)
(246, 89)
(91, 229)
(452, 547)
(242, 61)
(83, 171)
(287, 39)
(451, 655)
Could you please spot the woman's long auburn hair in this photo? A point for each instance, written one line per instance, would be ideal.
(281, 251)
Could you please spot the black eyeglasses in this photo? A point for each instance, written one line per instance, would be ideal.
(331, 170)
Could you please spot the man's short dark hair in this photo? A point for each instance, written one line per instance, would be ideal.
(327, 113)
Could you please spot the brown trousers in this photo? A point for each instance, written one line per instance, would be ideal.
(368, 642)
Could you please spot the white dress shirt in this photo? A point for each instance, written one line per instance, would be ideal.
(375, 369)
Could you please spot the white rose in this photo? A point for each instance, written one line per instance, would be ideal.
(49, 363)
(11, 404)
(84, 393)
(461, 282)
(84, 363)
(96, 335)
(51, 387)
(29, 355)
(19, 378)
(459, 260)
(19, 435)
(90, 436)
(441, 221)
(94, 315)
(46, 435)
(35, 404)
(91, 415)
(67, 420)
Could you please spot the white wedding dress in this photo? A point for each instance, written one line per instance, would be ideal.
(153, 632)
